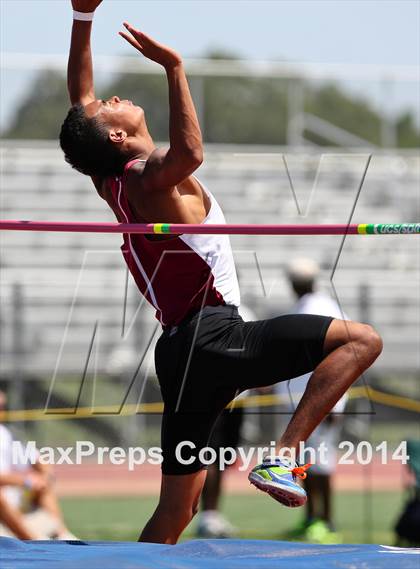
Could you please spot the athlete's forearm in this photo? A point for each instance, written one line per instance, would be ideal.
(12, 479)
(184, 129)
(80, 67)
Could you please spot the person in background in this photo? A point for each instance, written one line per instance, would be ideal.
(407, 528)
(29, 507)
(211, 522)
(318, 524)
(227, 433)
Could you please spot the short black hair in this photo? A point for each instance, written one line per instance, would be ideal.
(87, 147)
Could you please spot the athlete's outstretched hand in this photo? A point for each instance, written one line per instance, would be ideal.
(150, 48)
(85, 5)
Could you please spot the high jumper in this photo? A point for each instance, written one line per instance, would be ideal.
(206, 353)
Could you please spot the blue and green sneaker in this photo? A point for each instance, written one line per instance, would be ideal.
(278, 478)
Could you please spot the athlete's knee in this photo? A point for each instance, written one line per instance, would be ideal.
(371, 340)
(365, 341)
(354, 338)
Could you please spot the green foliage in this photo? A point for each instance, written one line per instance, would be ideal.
(237, 109)
(349, 113)
(247, 111)
(42, 111)
(407, 133)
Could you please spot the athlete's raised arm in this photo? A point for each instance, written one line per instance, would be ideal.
(80, 68)
(165, 169)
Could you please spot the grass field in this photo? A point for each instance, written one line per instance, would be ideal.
(256, 516)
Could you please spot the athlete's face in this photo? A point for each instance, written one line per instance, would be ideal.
(117, 114)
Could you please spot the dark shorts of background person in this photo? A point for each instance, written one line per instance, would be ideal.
(227, 431)
(204, 362)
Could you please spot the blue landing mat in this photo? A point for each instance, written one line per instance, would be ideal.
(202, 554)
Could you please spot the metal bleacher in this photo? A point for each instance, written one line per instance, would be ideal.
(56, 287)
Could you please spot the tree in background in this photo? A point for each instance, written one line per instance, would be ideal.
(353, 114)
(237, 110)
(245, 111)
(407, 132)
(41, 112)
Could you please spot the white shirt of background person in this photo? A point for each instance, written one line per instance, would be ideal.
(13, 462)
(317, 303)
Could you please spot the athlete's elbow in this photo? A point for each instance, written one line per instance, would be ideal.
(190, 158)
(197, 157)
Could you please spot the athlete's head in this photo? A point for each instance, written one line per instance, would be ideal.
(99, 138)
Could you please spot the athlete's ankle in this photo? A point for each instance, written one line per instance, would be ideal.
(286, 453)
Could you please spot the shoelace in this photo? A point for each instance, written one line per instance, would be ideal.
(300, 471)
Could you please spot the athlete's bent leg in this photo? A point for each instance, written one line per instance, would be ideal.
(350, 349)
(178, 503)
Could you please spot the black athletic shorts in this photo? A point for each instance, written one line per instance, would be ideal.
(204, 362)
